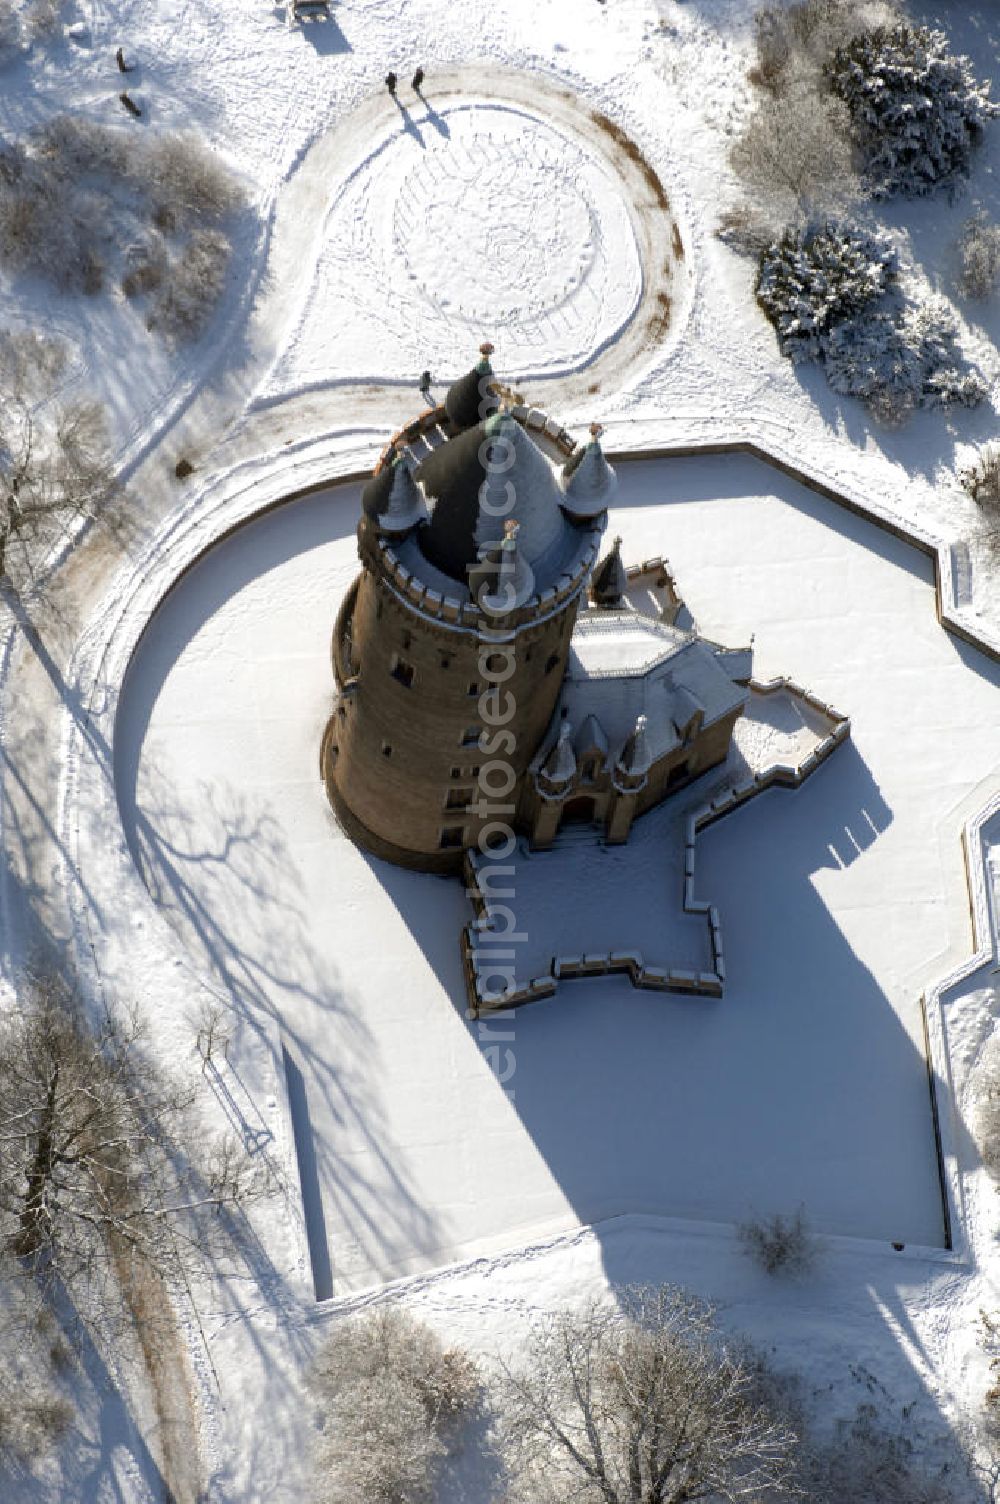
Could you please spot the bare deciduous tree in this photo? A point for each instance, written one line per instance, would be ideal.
(639, 1403)
(33, 1411)
(979, 251)
(97, 1171)
(55, 469)
(796, 153)
(391, 1398)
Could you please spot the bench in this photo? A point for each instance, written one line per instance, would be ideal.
(313, 10)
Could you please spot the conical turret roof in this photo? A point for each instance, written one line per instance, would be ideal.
(480, 479)
(393, 500)
(610, 580)
(472, 397)
(588, 481)
(560, 765)
(507, 579)
(635, 757)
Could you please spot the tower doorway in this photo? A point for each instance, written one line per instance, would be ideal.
(579, 810)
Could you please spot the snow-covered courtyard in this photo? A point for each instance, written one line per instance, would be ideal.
(842, 902)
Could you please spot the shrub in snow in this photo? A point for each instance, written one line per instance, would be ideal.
(832, 293)
(33, 1414)
(916, 108)
(780, 1244)
(793, 41)
(391, 1397)
(979, 250)
(44, 18)
(873, 1460)
(188, 286)
(76, 196)
(813, 279)
(897, 360)
(982, 481)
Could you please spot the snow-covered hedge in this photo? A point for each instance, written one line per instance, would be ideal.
(916, 108)
(832, 293)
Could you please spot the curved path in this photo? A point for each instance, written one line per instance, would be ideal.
(230, 410)
(216, 428)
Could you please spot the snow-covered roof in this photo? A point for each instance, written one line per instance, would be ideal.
(470, 500)
(610, 579)
(560, 765)
(591, 738)
(589, 482)
(394, 499)
(620, 642)
(622, 666)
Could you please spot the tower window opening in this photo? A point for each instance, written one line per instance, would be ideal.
(470, 736)
(402, 671)
(452, 837)
(458, 798)
(456, 772)
(474, 691)
(386, 749)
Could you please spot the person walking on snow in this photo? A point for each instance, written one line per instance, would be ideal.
(418, 79)
(390, 83)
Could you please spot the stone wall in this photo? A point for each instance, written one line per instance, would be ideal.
(632, 964)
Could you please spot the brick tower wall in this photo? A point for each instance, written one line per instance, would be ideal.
(399, 761)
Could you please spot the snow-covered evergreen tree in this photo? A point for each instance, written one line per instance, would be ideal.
(896, 359)
(916, 108)
(815, 278)
(832, 293)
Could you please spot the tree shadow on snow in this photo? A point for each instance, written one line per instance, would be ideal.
(206, 866)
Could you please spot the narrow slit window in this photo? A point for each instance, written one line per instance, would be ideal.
(402, 671)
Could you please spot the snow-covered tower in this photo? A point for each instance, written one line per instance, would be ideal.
(478, 535)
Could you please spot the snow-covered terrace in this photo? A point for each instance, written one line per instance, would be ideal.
(841, 902)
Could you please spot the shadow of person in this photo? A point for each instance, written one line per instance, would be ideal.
(406, 120)
(432, 117)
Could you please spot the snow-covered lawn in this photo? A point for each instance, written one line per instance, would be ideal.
(473, 220)
(841, 902)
